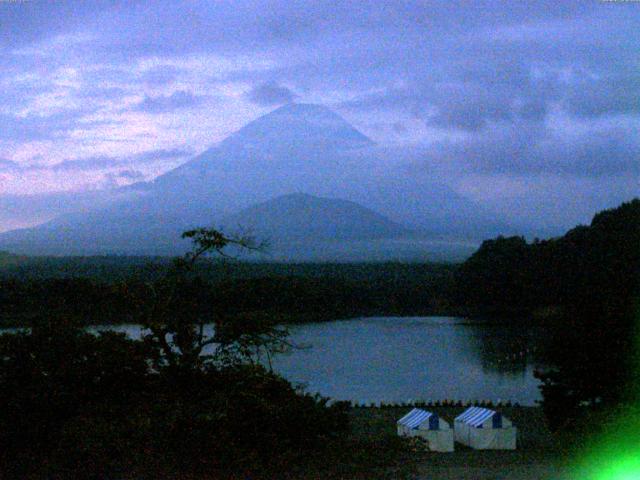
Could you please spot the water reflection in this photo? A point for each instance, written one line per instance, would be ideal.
(395, 359)
(508, 349)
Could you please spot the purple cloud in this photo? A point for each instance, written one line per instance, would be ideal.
(270, 93)
(178, 100)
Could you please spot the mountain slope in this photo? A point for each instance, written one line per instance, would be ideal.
(297, 147)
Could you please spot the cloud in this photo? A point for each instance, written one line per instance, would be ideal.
(160, 75)
(133, 175)
(468, 108)
(610, 94)
(38, 127)
(117, 179)
(82, 164)
(105, 162)
(37, 175)
(481, 84)
(8, 165)
(270, 93)
(163, 154)
(513, 151)
(20, 211)
(468, 97)
(179, 99)
(101, 93)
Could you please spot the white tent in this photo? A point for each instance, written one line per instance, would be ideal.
(484, 429)
(428, 426)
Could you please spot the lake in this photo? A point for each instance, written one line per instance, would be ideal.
(394, 359)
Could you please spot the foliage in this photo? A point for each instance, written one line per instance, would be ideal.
(591, 276)
(175, 311)
(287, 293)
(56, 375)
(496, 276)
(178, 402)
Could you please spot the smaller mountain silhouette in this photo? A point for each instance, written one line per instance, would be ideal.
(302, 217)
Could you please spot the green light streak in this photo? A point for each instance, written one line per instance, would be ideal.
(626, 469)
(615, 455)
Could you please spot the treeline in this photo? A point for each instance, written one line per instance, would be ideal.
(289, 293)
(113, 268)
(588, 265)
(508, 276)
(587, 284)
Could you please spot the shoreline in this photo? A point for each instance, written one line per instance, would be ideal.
(294, 319)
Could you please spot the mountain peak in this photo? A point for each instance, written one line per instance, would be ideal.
(305, 124)
(293, 142)
(308, 110)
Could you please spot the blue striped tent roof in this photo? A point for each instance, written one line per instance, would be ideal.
(417, 417)
(476, 416)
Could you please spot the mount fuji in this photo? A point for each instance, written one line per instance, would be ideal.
(298, 176)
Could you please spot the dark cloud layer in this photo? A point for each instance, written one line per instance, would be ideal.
(179, 99)
(39, 127)
(615, 92)
(520, 152)
(102, 162)
(160, 75)
(131, 175)
(88, 164)
(271, 93)
(8, 165)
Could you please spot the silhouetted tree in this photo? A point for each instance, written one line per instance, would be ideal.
(177, 308)
(181, 400)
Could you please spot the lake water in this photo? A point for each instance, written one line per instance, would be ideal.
(394, 359)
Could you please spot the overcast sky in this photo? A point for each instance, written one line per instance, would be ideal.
(532, 108)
